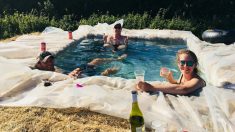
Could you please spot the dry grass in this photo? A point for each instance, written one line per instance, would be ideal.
(15, 37)
(9, 39)
(34, 119)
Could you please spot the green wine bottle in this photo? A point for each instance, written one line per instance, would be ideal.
(136, 116)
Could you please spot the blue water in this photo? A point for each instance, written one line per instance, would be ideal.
(147, 55)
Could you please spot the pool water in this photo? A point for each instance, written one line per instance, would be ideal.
(147, 55)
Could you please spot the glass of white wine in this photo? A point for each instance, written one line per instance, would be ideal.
(139, 75)
(158, 126)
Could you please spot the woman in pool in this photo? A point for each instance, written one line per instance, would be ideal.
(116, 41)
(188, 82)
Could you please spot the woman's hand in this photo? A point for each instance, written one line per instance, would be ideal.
(166, 73)
(144, 86)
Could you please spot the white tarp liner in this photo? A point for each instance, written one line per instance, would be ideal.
(213, 110)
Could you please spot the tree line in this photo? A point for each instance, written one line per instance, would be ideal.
(210, 9)
(18, 17)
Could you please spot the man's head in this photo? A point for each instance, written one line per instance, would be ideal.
(117, 29)
(45, 62)
(118, 26)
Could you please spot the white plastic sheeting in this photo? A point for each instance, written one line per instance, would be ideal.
(213, 110)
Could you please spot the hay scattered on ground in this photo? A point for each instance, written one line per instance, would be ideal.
(15, 37)
(35, 119)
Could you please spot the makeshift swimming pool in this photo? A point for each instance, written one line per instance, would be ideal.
(147, 55)
(213, 110)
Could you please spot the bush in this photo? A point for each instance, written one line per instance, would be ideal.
(9, 26)
(66, 23)
(96, 18)
(158, 23)
(136, 21)
(29, 23)
(19, 23)
(179, 24)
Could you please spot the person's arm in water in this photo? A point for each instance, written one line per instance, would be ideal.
(109, 71)
(105, 38)
(99, 61)
(124, 43)
(181, 89)
(107, 41)
(126, 40)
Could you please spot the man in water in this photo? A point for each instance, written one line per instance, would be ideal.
(116, 41)
(45, 62)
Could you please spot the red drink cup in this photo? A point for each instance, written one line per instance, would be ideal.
(70, 35)
(43, 46)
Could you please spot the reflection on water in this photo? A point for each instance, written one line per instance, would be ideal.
(147, 55)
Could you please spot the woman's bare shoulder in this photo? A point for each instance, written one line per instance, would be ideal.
(200, 80)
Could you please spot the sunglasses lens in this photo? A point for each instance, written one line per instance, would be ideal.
(182, 63)
(188, 63)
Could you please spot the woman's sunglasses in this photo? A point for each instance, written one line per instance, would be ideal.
(188, 63)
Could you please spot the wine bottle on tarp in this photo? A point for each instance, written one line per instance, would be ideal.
(136, 116)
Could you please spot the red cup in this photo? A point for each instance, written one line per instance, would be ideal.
(70, 35)
(43, 46)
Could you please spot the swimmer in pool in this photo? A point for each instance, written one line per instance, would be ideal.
(77, 73)
(116, 41)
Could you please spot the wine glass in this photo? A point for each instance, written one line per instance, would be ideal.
(139, 75)
(158, 126)
(164, 72)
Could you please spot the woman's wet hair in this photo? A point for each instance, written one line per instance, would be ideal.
(190, 53)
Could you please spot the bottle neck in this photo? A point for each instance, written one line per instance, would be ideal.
(135, 107)
(134, 98)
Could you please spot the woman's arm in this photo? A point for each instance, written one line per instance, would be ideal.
(181, 89)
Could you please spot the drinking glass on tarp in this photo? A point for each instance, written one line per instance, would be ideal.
(158, 126)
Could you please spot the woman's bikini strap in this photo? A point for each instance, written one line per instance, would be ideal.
(181, 76)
